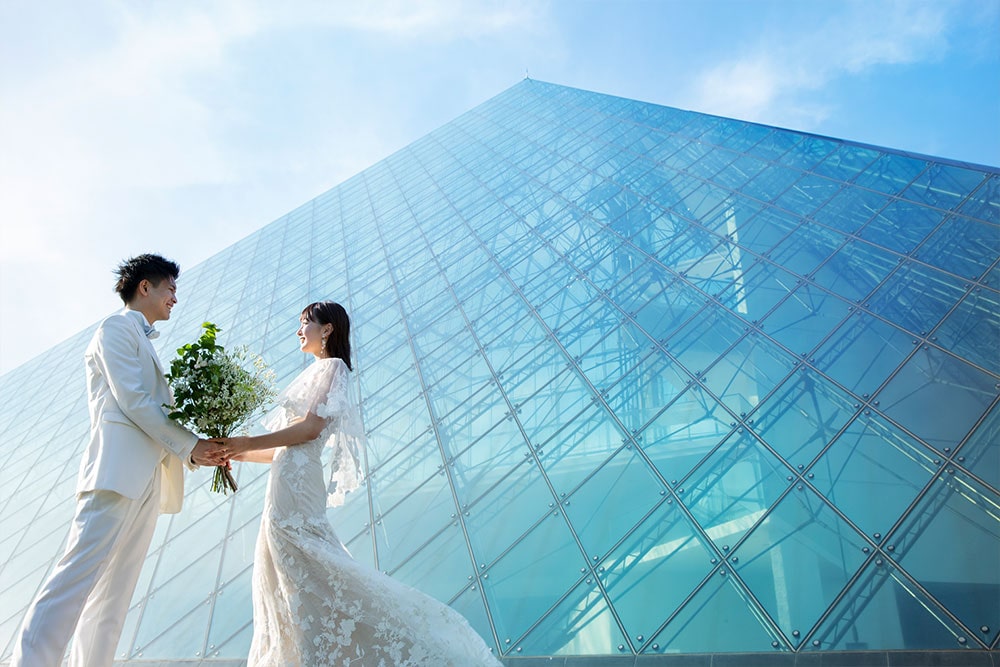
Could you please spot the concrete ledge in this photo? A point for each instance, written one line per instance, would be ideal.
(966, 658)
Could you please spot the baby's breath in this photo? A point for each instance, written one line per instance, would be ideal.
(217, 391)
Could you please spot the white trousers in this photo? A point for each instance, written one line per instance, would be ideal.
(89, 591)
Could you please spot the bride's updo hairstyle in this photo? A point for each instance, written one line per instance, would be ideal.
(338, 343)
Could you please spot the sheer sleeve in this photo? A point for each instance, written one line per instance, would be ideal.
(324, 389)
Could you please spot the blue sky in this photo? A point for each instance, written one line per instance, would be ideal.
(181, 127)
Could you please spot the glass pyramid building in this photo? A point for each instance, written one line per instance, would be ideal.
(636, 380)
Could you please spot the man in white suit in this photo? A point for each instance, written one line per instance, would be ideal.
(132, 470)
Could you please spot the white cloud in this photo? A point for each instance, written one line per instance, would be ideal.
(764, 82)
(436, 19)
(135, 140)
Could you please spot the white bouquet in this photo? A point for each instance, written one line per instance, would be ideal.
(215, 393)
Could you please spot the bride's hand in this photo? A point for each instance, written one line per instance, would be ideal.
(238, 446)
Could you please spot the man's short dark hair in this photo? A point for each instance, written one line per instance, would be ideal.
(134, 270)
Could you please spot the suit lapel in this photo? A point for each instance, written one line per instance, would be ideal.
(137, 320)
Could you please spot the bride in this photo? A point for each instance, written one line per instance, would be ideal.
(314, 605)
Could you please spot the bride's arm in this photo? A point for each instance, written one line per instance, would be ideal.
(258, 456)
(254, 448)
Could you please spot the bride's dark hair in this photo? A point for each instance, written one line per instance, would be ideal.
(338, 343)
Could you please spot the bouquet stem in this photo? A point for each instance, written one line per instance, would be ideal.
(224, 480)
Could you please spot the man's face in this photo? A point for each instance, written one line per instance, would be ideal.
(160, 299)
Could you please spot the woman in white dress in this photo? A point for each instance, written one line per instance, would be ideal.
(314, 605)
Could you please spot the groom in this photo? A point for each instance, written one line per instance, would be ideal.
(131, 470)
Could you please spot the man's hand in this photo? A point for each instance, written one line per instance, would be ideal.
(210, 453)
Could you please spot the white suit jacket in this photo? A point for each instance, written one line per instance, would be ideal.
(130, 432)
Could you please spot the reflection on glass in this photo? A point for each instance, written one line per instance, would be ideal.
(649, 574)
(862, 353)
(797, 560)
(721, 602)
(802, 416)
(873, 459)
(980, 454)
(956, 510)
(916, 297)
(733, 487)
(932, 383)
(884, 608)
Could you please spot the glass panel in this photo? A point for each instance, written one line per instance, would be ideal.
(614, 498)
(808, 152)
(127, 638)
(191, 546)
(944, 186)
(685, 432)
(890, 173)
(532, 576)
(805, 318)
(770, 183)
(846, 162)
(440, 569)
(763, 231)
(808, 194)
(733, 488)
(750, 370)
(743, 169)
(21, 589)
(855, 270)
(663, 228)
(582, 624)
(703, 339)
(962, 246)
(662, 316)
(862, 353)
(717, 269)
(578, 447)
(182, 639)
(169, 614)
(992, 278)
(931, 384)
(981, 452)
(916, 297)
(884, 609)
(566, 395)
(802, 416)
(775, 144)
(687, 247)
(238, 645)
(872, 473)
(756, 291)
(901, 226)
(228, 616)
(726, 219)
(507, 510)
(720, 603)
(984, 203)
(633, 291)
(850, 209)
(645, 389)
(972, 331)
(654, 568)
(806, 249)
(956, 511)
(471, 606)
(797, 560)
(239, 550)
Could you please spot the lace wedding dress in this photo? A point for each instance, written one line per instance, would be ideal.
(314, 605)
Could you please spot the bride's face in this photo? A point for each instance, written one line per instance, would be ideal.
(311, 336)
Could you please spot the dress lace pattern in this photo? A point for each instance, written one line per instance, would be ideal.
(313, 604)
